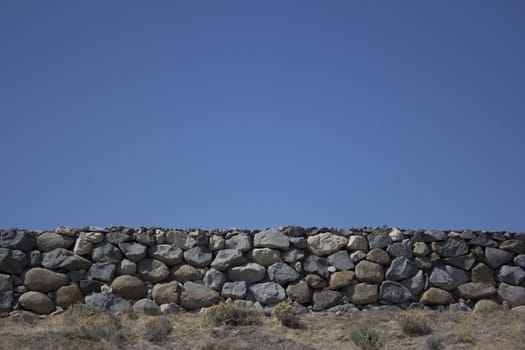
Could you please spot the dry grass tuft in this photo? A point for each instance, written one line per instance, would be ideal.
(86, 321)
(157, 329)
(231, 314)
(366, 338)
(414, 324)
(285, 313)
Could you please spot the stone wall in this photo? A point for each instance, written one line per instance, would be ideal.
(314, 268)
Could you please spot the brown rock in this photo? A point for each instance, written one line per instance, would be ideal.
(299, 292)
(315, 281)
(69, 295)
(436, 296)
(166, 293)
(341, 279)
(129, 287)
(378, 256)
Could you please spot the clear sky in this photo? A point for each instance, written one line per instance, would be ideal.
(262, 113)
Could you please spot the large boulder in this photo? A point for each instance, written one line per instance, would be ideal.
(464, 262)
(356, 243)
(227, 258)
(241, 242)
(133, 251)
(266, 256)
(268, 293)
(447, 277)
(185, 273)
(106, 252)
(495, 257)
(152, 270)
(12, 261)
(282, 273)
(400, 269)
(475, 291)
(146, 307)
(325, 243)
(369, 272)
(481, 273)
(378, 256)
(394, 292)
(271, 238)
(514, 275)
(341, 279)
(166, 293)
(362, 293)
(64, 259)
(198, 256)
(108, 302)
(17, 240)
(341, 260)
(195, 296)
(436, 296)
(129, 287)
(36, 302)
(315, 281)
(451, 247)
(315, 264)
(44, 280)
(249, 273)
(513, 245)
(116, 237)
(416, 283)
(103, 271)
(514, 295)
(326, 299)
(299, 292)
(69, 295)
(214, 279)
(169, 254)
(379, 239)
(48, 241)
(234, 290)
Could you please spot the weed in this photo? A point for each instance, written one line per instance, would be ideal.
(86, 321)
(157, 329)
(366, 338)
(287, 315)
(434, 343)
(465, 337)
(414, 324)
(231, 315)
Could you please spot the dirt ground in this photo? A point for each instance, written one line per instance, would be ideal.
(324, 330)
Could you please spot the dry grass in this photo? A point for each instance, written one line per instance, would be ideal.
(500, 330)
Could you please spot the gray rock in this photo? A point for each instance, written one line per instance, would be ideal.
(496, 257)
(282, 273)
(91, 237)
(89, 286)
(234, 290)
(326, 299)
(464, 262)
(146, 237)
(396, 235)
(43, 280)
(108, 302)
(82, 247)
(292, 255)
(126, 267)
(64, 259)
(394, 292)
(102, 271)
(198, 256)
(357, 256)
(5, 283)
(106, 252)
(362, 293)
(180, 239)
(147, 307)
(341, 261)
(250, 273)
(214, 279)
(295, 231)
(195, 296)
(400, 269)
(152, 270)
(129, 287)
(315, 264)
(429, 236)
(379, 239)
(315, 281)
(35, 258)
(216, 243)
(513, 295)
(166, 293)
(48, 241)
(227, 258)
(400, 249)
(17, 240)
(520, 261)
(6, 301)
(12, 261)
(325, 243)
(268, 293)
(483, 240)
(169, 309)
(510, 274)
(240, 242)
(298, 242)
(420, 249)
(369, 272)
(475, 291)
(519, 236)
(266, 256)
(116, 237)
(416, 283)
(357, 243)
(451, 247)
(481, 273)
(169, 254)
(299, 292)
(378, 256)
(447, 277)
(186, 273)
(133, 251)
(271, 238)
(513, 245)
(36, 302)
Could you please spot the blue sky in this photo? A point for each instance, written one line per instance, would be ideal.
(256, 114)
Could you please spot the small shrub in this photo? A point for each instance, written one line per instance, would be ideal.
(86, 321)
(366, 338)
(434, 343)
(157, 329)
(465, 337)
(231, 315)
(286, 315)
(414, 324)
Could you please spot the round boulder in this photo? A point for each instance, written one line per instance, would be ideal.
(129, 287)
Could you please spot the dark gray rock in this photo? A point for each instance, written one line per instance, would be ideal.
(451, 247)
(116, 237)
(89, 286)
(298, 242)
(17, 240)
(429, 236)
(169, 254)
(185, 273)
(514, 295)
(295, 231)
(146, 307)
(64, 259)
(399, 249)
(6, 301)
(234, 290)
(5, 283)
(496, 257)
(513, 245)
(106, 252)
(292, 255)
(133, 251)
(341, 261)
(400, 269)
(240, 242)
(195, 296)
(379, 239)
(514, 275)
(146, 237)
(483, 240)
(476, 291)
(214, 279)
(326, 299)
(108, 302)
(35, 258)
(481, 273)
(266, 256)
(464, 262)
(250, 273)
(102, 271)
(315, 264)
(416, 283)
(394, 292)
(227, 258)
(152, 270)
(282, 273)
(520, 261)
(447, 277)
(198, 256)
(268, 293)
(423, 263)
(12, 261)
